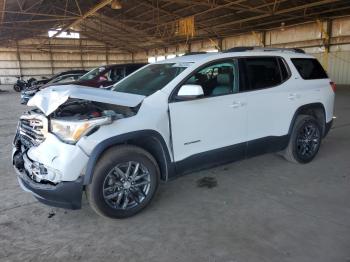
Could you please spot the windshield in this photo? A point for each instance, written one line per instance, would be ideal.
(149, 79)
(92, 74)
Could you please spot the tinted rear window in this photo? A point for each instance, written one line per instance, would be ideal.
(309, 68)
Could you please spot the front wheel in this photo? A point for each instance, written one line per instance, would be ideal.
(305, 140)
(124, 182)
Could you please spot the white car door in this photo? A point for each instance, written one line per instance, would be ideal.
(271, 103)
(216, 121)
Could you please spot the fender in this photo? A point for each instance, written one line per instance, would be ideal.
(302, 108)
(159, 148)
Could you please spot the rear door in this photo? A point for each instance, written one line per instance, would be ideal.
(271, 103)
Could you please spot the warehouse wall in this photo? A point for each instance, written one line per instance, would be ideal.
(22, 57)
(332, 52)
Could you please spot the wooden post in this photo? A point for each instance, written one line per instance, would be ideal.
(329, 35)
(81, 55)
(51, 60)
(325, 37)
(327, 42)
(220, 44)
(263, 38)
(107, 60)
(18, 59)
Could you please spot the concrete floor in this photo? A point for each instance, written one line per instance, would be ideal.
(263, 209)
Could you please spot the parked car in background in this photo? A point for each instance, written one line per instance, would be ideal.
(27, 93)
(46, 80)
(107, 75)
(171, 117)
(102, 76)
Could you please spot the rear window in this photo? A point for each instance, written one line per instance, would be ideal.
(309, 68)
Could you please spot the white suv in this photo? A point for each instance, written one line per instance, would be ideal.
(168, 118)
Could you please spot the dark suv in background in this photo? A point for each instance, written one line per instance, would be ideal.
(101, 76)
(46, 80)
(106, 75)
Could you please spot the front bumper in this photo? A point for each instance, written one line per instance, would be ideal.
(52, 171)
(64, 194)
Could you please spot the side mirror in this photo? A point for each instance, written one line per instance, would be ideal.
(188, 92)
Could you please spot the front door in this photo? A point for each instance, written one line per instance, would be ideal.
(210, 128)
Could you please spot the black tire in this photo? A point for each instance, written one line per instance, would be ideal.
(117, 158)
(303, 144)
(17, 88)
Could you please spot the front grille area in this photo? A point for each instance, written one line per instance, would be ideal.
(32, 129)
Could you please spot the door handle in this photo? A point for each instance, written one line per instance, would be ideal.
(237, 104)
(292, 96)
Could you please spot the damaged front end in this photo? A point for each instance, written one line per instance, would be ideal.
(46, 155)
(39, 177)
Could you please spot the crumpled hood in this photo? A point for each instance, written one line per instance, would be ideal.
(49, 99)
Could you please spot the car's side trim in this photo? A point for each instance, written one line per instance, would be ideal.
(160, 148)
(231, 153)
(265, 145)
(211, 158)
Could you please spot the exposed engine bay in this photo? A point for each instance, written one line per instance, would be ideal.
(78, 109)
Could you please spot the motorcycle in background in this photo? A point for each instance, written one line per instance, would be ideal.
(22, 84)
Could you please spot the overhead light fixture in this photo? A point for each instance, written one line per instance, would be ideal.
(282, 26)
(116, 4)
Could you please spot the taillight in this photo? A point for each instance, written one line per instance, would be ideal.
(333, 85)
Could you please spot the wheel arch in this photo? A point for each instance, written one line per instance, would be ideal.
(316, 110)
(149, 140)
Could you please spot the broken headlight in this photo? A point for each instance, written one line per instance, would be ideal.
(71, 131)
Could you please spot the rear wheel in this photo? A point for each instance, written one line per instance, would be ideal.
(124, 182)
(17, 88)
(305, 140)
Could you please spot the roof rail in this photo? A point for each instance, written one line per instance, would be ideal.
(264, 49)
(195, 53)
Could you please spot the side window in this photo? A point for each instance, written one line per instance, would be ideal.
(219, 78)
(117, 74)
(285, 73)
(131, 68)
(261, 72)
(309, 68)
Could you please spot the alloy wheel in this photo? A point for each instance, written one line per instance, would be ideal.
(126, 185)
(308, 140)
